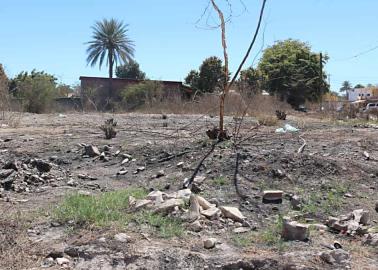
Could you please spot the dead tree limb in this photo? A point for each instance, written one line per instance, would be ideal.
(196, 170)
(300, 149)
(174, 156)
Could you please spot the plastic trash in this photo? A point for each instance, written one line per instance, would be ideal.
(287, 128)
(290, 128)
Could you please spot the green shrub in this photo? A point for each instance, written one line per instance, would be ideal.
(142, 93)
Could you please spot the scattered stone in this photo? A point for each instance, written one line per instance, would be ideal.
(11, 164)
(295, 202)
(348, 195)
(5, 173)
(272, 196)
(195, 226)
(214, 201)
(376, 207)
(72, 183)
(122, 172)
(371, 239)
(160, 173)
(122, 237)
(168, 206)
(48, 262)
(91, 151)
(232, 213)
(180, 164)
(209, 243)
(204, 203)
(361, 216)
(194, 209)
(156, 196)
(336, 256)
(142, 204)
(241, 230)
(366, 155)
(293, 230)
(63, 261)
(211, 213)
(184, 193)
(278, 173)
(141, 169)
(126, 160)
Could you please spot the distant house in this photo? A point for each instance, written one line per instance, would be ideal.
(97, 88)
(356, 94)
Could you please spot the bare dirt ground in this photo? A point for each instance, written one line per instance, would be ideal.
(332, 177)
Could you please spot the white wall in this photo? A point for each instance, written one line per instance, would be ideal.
(359, 93)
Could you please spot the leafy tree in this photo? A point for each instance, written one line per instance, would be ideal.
(63, 90)
(359, 86)
(250, 80)
(210, 76)
(3, 89)
(345, 86)
(141, 93)
(292, 71)
(130, 70)
(110, 42)
(37, 90)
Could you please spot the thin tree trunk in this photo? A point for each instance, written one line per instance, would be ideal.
(110, 75)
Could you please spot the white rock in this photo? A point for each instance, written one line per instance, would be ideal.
(122, 237)
(211, 213)
(204, 203)
(62, 261)
(232, 213)
(241, 230)
(142, 204)
(293, 230)
(168, 206)
(184, 194)
(156, 196)
(209, 243)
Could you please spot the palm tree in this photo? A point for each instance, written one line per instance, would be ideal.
(110, 41)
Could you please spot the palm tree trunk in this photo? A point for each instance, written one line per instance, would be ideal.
(110, 93)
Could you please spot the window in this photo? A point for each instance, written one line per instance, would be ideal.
(368, 95)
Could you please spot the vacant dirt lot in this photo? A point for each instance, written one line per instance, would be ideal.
(334, 175)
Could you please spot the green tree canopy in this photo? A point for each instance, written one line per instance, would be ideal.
(37, 89)
(130, 70)
(250, 80)
(292, 71)
(111, 43)
(4, 89)
(359, 86)
(345, 86)
(210, 76)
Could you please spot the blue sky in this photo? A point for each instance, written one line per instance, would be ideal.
(50, 34)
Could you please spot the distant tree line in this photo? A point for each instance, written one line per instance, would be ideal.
(289, 69)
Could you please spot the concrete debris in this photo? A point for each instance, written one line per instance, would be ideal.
(211, 213)
(272, 196)
(204, 203)
(184, 194)
(335, 257)
(156, 196)
(195, 226)
(232, 213)
(354, 223)
(91, 151)
(371, 239)
(121, 237)
(293, 230)
(168, 206)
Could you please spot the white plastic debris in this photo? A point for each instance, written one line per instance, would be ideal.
(287, 128)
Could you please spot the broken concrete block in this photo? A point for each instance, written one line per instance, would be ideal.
(336, 256)
(91, 151)
(232, 213)
(184, 194)
(142, 204)
(272, 196)
(211, 213)
(361, 216)
(168, 206)
(293, 230)
(156, 196)
(204, 203)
